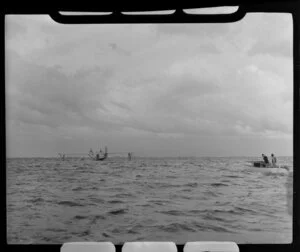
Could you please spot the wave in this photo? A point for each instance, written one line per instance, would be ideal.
(78, 188)
(255, 229)
(36, 200)
(80, 217)
(163, 185)
(176, 227)
(158, 202)
(210, 214)
(106, 235)
(132, 231)
(186, 190)
(116, 189)
(185, 197)
(196, 212)
(213, 217)
(192, 184)
(94, 218)
(198, 226)
(206, 206)
(218, 184)
(171, 176)
(144, 205)
(233, 176)
(69, 203)
(245, 210)
(115, 201)
(118, 211)
(56, 229)
(210, 194)
(209, 227)
(172, 212)
(226, 181)
(124, 195)
(97, 200)
(231, 211)
(85, 232)
(220, 229)
(275, 174)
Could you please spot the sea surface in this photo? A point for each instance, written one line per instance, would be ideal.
(50, 201)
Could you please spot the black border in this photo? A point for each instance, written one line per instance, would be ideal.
(287, 6)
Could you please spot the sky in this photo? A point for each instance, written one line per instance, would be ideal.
(152, 89)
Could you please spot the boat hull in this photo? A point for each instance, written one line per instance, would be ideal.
(260, 165)
(98, 158)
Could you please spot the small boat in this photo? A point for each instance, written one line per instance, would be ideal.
(99, 156)
(263, 165)
(62, 156)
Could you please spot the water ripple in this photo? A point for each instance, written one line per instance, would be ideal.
(51, 201)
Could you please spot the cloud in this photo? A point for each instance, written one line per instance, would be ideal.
(265, 38)
(47, 96)
(174, 82)
(116, 48)
(209, 48)
(198, 30)
(14, 29)
(281, 48)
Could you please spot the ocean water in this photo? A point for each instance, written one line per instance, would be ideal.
(157, 199)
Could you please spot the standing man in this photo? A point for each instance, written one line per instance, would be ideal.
(274, 160)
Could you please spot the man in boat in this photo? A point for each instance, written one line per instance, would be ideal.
(273, 160)
(266, 160)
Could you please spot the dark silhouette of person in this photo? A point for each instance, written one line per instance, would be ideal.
(265, 158)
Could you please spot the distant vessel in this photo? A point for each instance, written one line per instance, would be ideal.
(62, 156)
(99, 156)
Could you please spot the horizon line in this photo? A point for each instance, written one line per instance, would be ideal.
(179, 156)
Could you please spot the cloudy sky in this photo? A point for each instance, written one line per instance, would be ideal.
(153, 89)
